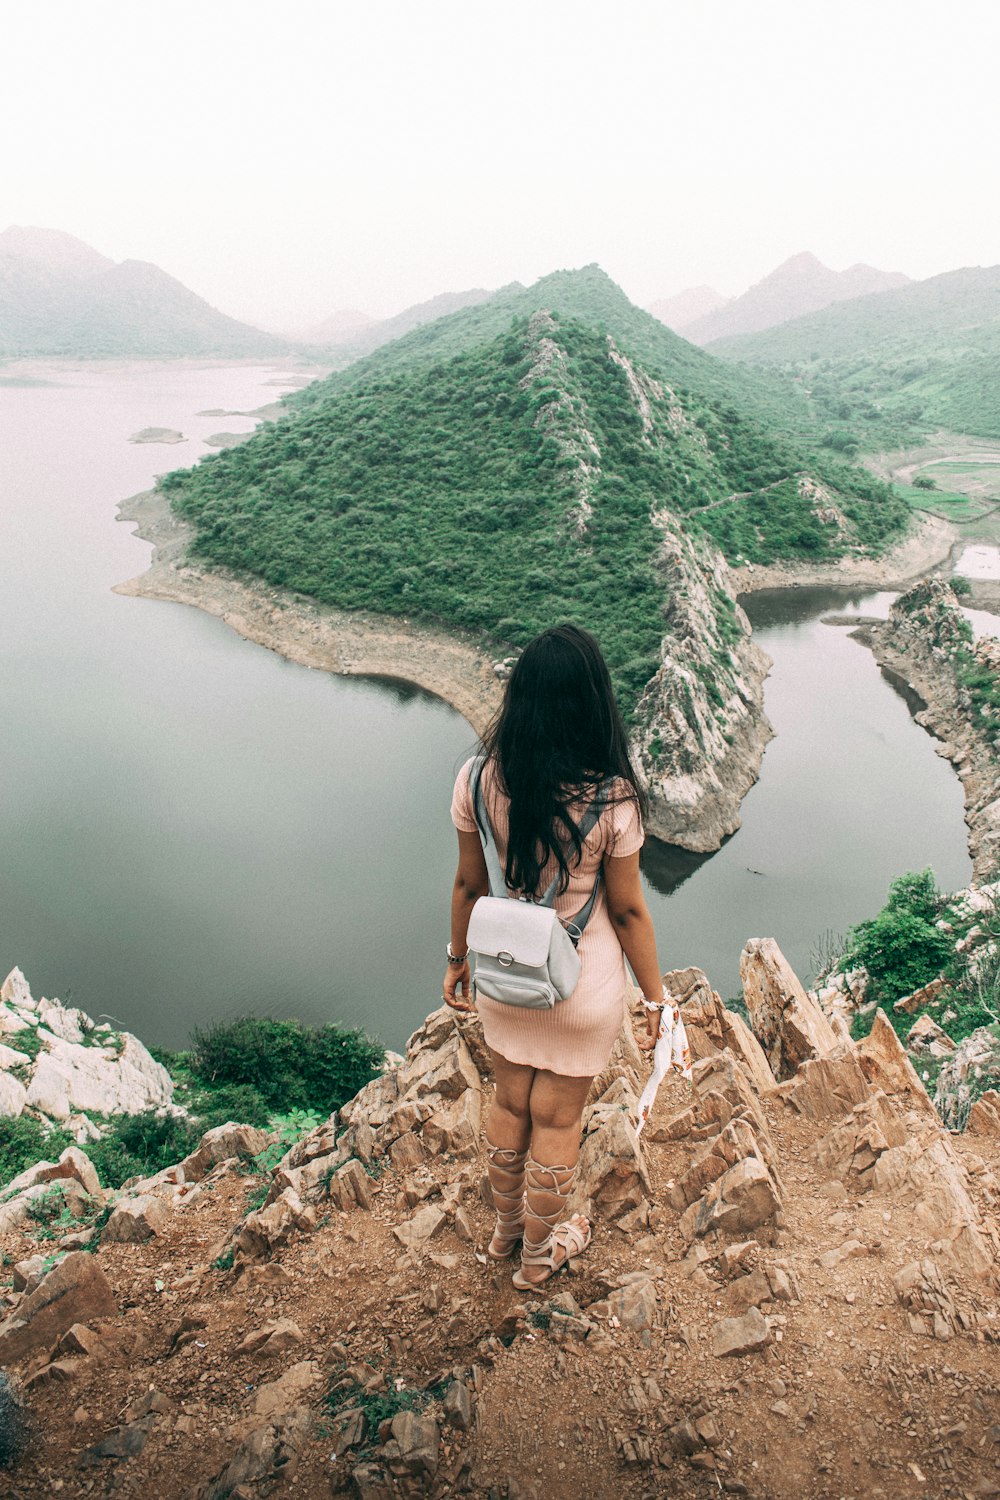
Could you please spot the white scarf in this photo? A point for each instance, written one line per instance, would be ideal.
(671, 1050)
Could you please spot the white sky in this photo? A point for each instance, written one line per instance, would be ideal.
(288, 159)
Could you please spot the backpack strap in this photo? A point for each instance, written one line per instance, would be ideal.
(574, 925)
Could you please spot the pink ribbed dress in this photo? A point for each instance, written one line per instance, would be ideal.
(576, 1036)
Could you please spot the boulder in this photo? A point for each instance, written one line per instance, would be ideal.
(72, 1163)
(421, 1226)
(15, 991)
(886, 1066)
(743, 1199)
(13, 1096)
(62, 1193)
(108, 1081)
(418, 1439)
(350, 1187)
(919, 998)
(748, 1334)
(74, 1291)
(135, 1220)
(734, 1143)
(220, 1144)
(634, 1305)
(454, 1129)
(611, 1175)
(787, 1022)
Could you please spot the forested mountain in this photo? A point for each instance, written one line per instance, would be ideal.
(798, 286)
(348, 344)
(889, 368)
(501, 482)
(58, 296)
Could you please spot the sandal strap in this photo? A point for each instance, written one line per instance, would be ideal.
(508, 1202)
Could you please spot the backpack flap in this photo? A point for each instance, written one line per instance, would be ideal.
(511, 932)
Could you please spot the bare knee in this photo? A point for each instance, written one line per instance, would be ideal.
(513, 1107)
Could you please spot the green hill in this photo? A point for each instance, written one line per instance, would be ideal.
(515, 483)
(887, 369)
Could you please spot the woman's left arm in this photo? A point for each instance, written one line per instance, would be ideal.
(634, 928)
(471, 882)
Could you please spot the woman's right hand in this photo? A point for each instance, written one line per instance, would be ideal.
(458, 978)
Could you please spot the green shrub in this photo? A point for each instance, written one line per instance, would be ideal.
(923, 482)
(25, 1141)
(289, 1065)
(141, 1144)
(960, 586)
(901, 948)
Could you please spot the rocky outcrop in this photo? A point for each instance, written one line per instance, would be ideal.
(928, 642)
(788, 1023)
(60, 1066)
(973, 1070)
(701, 728)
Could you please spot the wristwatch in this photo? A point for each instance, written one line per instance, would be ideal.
(453, 958)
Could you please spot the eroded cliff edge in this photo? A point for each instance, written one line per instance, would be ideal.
(701, 728)
(928, 643)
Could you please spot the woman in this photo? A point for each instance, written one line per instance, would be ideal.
(557, 738)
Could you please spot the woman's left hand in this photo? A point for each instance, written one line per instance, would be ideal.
(458, 977)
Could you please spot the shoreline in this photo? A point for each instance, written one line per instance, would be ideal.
(930, 544)
(350, 643)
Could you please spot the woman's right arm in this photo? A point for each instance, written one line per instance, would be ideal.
(634, 928)
(471, 882)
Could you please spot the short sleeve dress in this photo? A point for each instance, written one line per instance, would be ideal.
(576, 1036)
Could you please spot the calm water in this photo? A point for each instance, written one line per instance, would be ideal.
(191, 826)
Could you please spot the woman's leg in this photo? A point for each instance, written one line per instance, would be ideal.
(556, 1106)
(508, 1131)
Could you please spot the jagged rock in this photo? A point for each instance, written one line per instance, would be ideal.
(421, 1226)
(925, 1174)
(611, 1175)
(886, 1066)
(984, 1116)
(69, 1076)
(271, 1226)
(276, 1397)
(454, 1129)
(826, 1087)
(634, 1305)
(272, 1338)
(350, 1187)
(741, 1200)
(931, 1309)
(408, 1151)
(16, 991)
(625, 1061)
(136, 1220)
(369, 1481)
(268, 1454)
(789, 1025)
(458, 1405)
(772, 1281)
(746, 1335)
(972, 1071)
(925, 1038)
(734, 1142)
(81, 1340)
(446, 1071)
(11, 1058)
(854, 1145)
(711, 1028)
(350, 1431)
(220, 1144)
(419, 1438)
(74, 1291)
(847, 1251)
(27, 1273)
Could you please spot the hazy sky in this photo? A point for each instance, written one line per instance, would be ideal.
(286, 160)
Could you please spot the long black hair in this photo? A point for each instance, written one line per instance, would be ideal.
(557, 735)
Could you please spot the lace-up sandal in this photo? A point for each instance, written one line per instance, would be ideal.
(505, 1169)
(566, 1238)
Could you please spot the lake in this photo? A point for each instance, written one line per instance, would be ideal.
(192, 827)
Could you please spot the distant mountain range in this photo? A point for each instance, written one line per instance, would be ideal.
(60, 297)
(798, 286)
(891, 367)
(349, 335)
